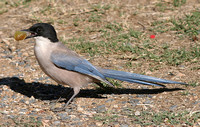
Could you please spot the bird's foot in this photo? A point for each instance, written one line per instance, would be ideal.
(58, 109)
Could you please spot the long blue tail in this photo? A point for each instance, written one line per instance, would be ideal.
(136, 78)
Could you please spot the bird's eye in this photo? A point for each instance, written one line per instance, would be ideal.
(38, 30)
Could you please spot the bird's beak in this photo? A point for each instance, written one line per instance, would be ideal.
(31, 33)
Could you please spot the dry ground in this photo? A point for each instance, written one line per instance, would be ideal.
(112, 34)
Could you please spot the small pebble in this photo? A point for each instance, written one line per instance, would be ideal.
(39, 118)
(5, 88)
(5, 112)
(5, 98)
(77, 124)
(19, 54)
(134, 102)
(22, 101)
(137, 113)
(173, 107)
(141, 95)
(196, 102)
(56, 122)
(32, 101)
(2, 105)
(21, 63)
(101, 108)
(6, 52)
(63, 116)
(25, 54)
(147, 101)
(37, 110)
(124, 125)
(48, 117)
(27, 66)
(109, 100)
(41, 78)
(22, 111)
(149, 96)
(13, 48)
(99, 124)
(14, 97)
(8, 56)
(11, 116)
(93, 103)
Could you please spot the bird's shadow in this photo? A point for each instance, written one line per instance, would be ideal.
(51, 92)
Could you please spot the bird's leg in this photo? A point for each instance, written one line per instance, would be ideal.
(56, 101)
(61, 98)
(76, 91)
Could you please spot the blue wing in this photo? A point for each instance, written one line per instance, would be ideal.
(74, 63)
(71, 62)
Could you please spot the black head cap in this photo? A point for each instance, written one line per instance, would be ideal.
(43, 29)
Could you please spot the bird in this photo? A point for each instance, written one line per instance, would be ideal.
(66, 67)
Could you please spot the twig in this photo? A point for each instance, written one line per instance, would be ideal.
(82, 12)
(144, 28)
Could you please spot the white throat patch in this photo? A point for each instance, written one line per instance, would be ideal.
(42, 40)
(42, 43)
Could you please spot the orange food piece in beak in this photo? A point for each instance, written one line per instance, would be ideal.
(20, 35)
